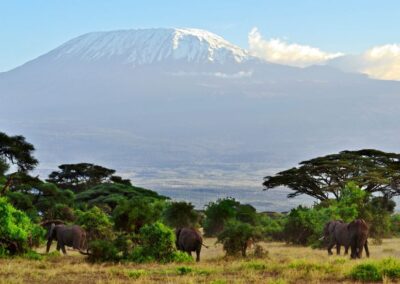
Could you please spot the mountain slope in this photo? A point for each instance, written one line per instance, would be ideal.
(187, 113)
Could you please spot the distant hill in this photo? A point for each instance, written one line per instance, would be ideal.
(184, 109)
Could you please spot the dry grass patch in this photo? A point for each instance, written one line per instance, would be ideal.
(284, 264)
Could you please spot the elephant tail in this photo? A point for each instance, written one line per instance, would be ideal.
(204, 245)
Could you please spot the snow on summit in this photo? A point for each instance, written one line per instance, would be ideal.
(146, 46)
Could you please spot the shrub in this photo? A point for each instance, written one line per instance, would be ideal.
(366, 272)
(375, 271)
(273, 227)
(131, 215)
(96, 223)
(184, 270)
(236, 236)
(180, 215)
(17, 232)
(218, 213)
(32, 255)
(395, 224)
(304, 225)
(103, 250)
(390, 268)
(181, 257)
(157, 242)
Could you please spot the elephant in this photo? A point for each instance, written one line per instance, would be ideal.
(188, 240)
(71, 236)
(336, 233)
(358, 232)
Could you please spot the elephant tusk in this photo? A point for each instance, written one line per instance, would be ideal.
(321, 238)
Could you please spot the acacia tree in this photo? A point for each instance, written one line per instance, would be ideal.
(15, 150)
(324, 177)
(82, 176)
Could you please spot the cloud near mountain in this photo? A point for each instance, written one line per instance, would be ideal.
(379, 62)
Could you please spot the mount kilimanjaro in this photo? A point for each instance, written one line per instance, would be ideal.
(189, 114)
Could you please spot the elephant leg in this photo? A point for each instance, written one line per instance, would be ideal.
(360, 250)
(63, 249)
(338, 249)
(330, 246)
(58, 246)
(346, 250)
(366, 249)
(353, 247)
(48, 245)
(198, 254)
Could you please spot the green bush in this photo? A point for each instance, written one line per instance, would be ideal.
(17, 232)
(131, 215)
(157, 243)
(184, 270)
(273, 227)
(236, 237)
(103, 250)
(390, 268)
(366, 272)
(32, 255)
(395, 224)
(376, 270)
(96, 223)
(218, 213)
(180, 215)
(181, 257)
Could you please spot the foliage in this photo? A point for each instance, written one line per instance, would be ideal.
(395, 224)
(96, 223)
(218, 213)
(272, 227)
(157, 243)
(43, 199)
(103, 250)
(82, 176)
(180, 215)
(236, 236)
(131, 215)
(111, 194)
(372, 170)
(16, 150)
(17, 231)
(304, 225)
(376, 270)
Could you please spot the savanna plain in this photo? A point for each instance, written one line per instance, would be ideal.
(280, 263)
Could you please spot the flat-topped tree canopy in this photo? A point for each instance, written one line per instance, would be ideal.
(324, 177)
(82, 176)
(17, 151)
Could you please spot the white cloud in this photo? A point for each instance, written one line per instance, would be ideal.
(383, 62)
(279, 51)
(380, 62)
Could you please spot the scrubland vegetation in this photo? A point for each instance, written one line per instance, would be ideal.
(130, 231)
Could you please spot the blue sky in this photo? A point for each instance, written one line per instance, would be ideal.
(31, 28)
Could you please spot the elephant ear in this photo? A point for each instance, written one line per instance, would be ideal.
(51, 230)
(332, 226)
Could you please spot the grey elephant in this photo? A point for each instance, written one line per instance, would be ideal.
(358, 231)
(188, 240)
(336, 233)
(72, 236)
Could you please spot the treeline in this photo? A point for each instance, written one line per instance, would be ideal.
(125, 222)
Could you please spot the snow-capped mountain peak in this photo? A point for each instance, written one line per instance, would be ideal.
(146, 46)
